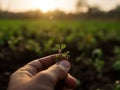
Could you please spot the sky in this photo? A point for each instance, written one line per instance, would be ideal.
(49, 5)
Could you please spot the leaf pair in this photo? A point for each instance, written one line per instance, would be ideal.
(59, 47)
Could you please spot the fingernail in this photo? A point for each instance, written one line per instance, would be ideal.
(65, 65)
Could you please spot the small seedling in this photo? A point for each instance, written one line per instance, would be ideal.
(60, 48)
(97, 53)
(99, 64)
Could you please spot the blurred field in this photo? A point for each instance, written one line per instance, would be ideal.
(94, 47)
(67, 30)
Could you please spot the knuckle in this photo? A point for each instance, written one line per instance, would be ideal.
(12, 75)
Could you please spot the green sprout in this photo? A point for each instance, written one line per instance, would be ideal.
(60, 48)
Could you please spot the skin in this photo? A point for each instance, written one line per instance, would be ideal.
(43, 74)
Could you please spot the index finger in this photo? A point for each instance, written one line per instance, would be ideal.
(43, 63)
(37, 65)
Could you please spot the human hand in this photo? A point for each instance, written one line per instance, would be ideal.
(43, 74)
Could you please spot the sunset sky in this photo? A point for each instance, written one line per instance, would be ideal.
(46, 5)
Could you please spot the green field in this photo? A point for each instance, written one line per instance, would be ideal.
(94, 47)
(58, 31)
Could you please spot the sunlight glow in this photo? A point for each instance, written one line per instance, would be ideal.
(45, 5)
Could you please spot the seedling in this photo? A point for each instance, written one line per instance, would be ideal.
(97, 53)
(98, 65)
(61, 54)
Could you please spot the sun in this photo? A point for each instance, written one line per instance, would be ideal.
(45, 5)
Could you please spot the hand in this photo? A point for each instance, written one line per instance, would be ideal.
(43, 74)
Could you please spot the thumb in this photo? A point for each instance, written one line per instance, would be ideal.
(53, 74)
(59, 70)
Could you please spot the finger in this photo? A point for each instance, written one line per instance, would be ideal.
(54, 74)
(47, 61)
(70, 82)
(43, 63)
(37, 65)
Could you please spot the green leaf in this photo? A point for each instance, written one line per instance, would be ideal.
(57, 46)
(98, 64)
(63, 46)
(116, 65)
(97, 53)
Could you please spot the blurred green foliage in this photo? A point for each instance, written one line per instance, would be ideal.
(116, 64)
(117, 87)
(97, 53)
(98, 64)
(41, 35)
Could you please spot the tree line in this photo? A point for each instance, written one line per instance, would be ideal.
(92, 13)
